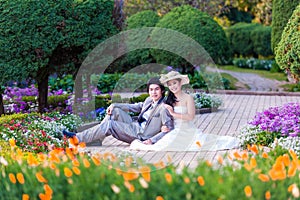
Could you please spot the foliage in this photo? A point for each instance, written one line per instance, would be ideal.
(137, 57)
(198, 26)
(275, 126)
(38, 133)
(49, 36)
(253, 63)
(288, 49)
(65, 83)
(281, 12)
(62, 174)
(249, 39)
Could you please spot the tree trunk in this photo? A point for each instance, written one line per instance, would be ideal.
(118, 14)
(43, 93)
(88, 85)
(1, 105)
(78, 90)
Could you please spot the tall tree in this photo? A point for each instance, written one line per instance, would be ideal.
(39, 38)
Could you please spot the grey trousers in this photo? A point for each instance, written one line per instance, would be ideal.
(119, 124)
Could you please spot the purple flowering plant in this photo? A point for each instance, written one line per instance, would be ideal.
(275, 126)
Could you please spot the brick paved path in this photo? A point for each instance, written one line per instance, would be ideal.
(236, 111)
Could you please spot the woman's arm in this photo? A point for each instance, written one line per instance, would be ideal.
(190, 104)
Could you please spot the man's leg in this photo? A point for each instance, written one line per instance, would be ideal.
(107, 126)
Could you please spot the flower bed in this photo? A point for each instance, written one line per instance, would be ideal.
(275, 126)
(68, 174)
(38, 133)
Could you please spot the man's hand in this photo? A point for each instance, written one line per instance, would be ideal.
(147, 142)
(164, 128)
(110, 109)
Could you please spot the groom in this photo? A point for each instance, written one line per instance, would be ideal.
(118, 123)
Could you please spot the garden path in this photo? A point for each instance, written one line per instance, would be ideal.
(253, 82)
(236, 111)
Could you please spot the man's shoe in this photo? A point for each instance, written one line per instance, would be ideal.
(68, 134)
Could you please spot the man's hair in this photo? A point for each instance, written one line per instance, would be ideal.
(156, 81)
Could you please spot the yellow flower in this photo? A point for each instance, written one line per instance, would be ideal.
(12, 142)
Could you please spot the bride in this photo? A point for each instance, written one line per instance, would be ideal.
(185, 136)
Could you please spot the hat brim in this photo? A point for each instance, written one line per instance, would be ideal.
(184, 79)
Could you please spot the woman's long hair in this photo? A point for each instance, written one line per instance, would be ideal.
(171, 99)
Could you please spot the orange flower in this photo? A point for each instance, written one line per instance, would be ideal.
(264, 177)
(74, 141)
(86, 163)
(168, 177)
(254, 149)
(96, 161)
(76, 163)
(220, 160)
(12, 178)
(31, 160)
(237, 155)
(40, 177)
(244, 155)
(48, 190)
(208, 163)
(82, 145)
(129, 186)
(186, 180)
(247, 166)
(159, 198)
(198, 144)
(290, 188)
(128, 161)
(145, 171)
(253, 163)
(68, 173)
(248, 191)
(267, 195)
(20, 178)
(286, 160)
(200, 180)
(265, 155)
(130, 175)
(76, 170)
(25, 197)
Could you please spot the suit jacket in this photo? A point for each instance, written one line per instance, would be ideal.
(159, 116)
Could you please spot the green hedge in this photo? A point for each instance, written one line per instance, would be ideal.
(250, 39)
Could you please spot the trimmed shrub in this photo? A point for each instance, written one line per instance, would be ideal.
(281, 12)
(134, 58)
(249, 40)
(288, 49)
(198, 26)
(253, 63)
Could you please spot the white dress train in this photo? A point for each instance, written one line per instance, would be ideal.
(186, 137)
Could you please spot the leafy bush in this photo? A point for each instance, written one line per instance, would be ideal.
(249, 39)
(288, 49)
(198, 26)
(66, 83)
(253, 63)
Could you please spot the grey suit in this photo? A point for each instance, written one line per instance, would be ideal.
(121, 126)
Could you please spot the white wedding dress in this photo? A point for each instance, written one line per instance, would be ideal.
(186, 137)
